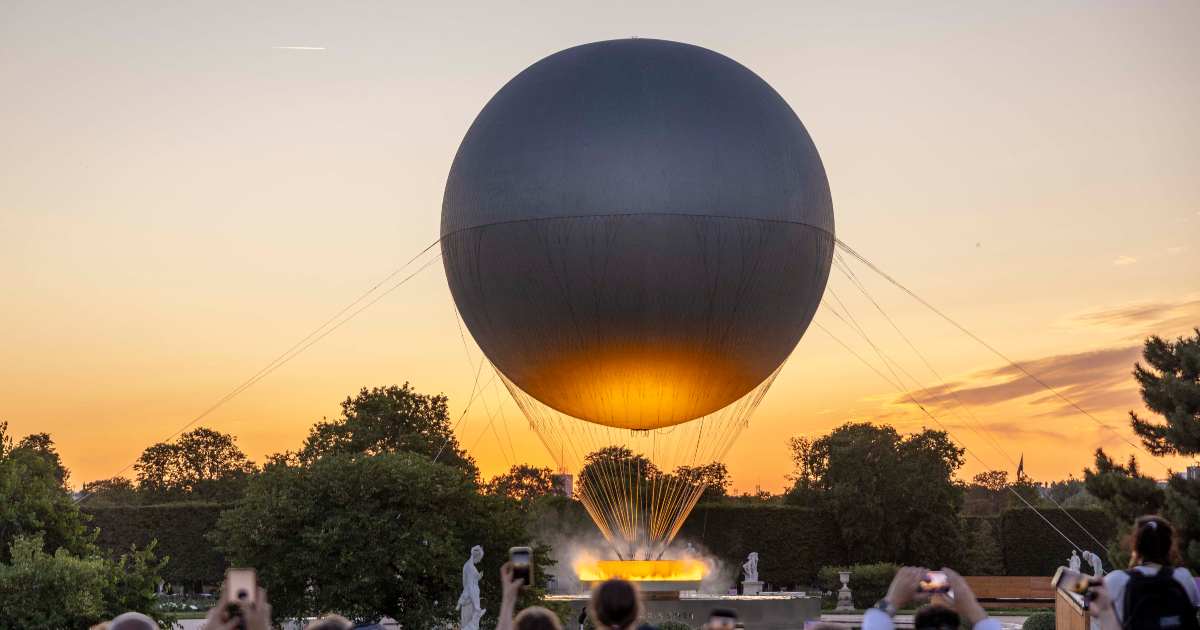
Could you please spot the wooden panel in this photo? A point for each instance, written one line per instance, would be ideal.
(1002, 590)
(1068, 614)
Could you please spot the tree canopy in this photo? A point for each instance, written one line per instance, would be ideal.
(200, 464)
(367, 536)
(894, 495)
(390, 419)
(1170, 385)
(33, 498)
(522, 483)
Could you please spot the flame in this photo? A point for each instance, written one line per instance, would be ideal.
(685, 570)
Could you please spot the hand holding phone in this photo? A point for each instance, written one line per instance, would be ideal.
(521, 559)
(934, 582)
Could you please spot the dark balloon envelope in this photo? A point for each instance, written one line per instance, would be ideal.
(637, 232)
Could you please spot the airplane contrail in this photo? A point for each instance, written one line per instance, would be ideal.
(298, 47)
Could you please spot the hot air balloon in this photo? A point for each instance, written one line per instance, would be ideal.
(637, 233)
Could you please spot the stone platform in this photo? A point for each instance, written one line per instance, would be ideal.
(762, 612)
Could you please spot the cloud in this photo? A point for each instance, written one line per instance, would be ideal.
(1142, 319)
(1121, 261)
(1095, 380)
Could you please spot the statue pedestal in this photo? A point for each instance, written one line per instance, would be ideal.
(751, 587)
(845, 601)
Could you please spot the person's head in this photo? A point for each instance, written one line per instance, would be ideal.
(614, 605)
(132, 621)
(936, 617)
(536, 618)
(476, 553)
(721, 619)
(330, 622)
(1153, 541)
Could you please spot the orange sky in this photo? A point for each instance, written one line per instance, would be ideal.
(181, 201)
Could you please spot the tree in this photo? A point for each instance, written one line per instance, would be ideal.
(987, 494)
(33, 499)
(41, 445)
(368, 536)
(522, 483)
(390, 420)
(894, 496)
(1170, 386)
(42, 591)
(1123, 490)
(714, 477)
(109, 492)
(201, 464)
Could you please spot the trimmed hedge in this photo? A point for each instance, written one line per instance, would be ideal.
(868, 582)
(179, 528)
(1039, 621)
(1030, 547)
(795, 542)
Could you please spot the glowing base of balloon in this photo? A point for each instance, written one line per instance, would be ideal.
(650, 575)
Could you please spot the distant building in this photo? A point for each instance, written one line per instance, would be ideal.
(1192, 473)
(564, 484)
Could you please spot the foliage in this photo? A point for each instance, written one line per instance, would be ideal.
(522, 483)
(60, 590)
(1031, 547)
(180, 530)
(42, 445)
(1183, 510)
(868, 582)
(369, 536)
(390, 419)
(109, 492)
(33, 499)
(713, 476)
(894, 497)
(1123, 490)
(801, 539)
(982, 554)
(1170, 387)
(671, 624)
(1039, 621)
(201, 464)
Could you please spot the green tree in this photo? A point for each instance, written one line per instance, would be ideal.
(894, 495)
(368, 536)
(1170, 386)
(109, 492)
(202, 464)
(1124, 491)
(390, 420)
(33, 499)
(714, 477)
(40, 444)
(522, 483)
(42, 591)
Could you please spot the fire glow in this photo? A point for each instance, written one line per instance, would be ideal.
(684, 570)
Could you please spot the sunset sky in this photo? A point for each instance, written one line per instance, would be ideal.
(187, 189)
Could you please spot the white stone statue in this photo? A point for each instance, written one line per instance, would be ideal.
(750, 568)
(468, 602)
(1073, 561)
(1097, 564)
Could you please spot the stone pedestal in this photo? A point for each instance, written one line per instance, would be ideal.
(751, 587)
(845, 601)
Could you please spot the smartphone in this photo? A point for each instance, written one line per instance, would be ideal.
(522, 564)
(241, 585)
(934, 582)
(1071, 581)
